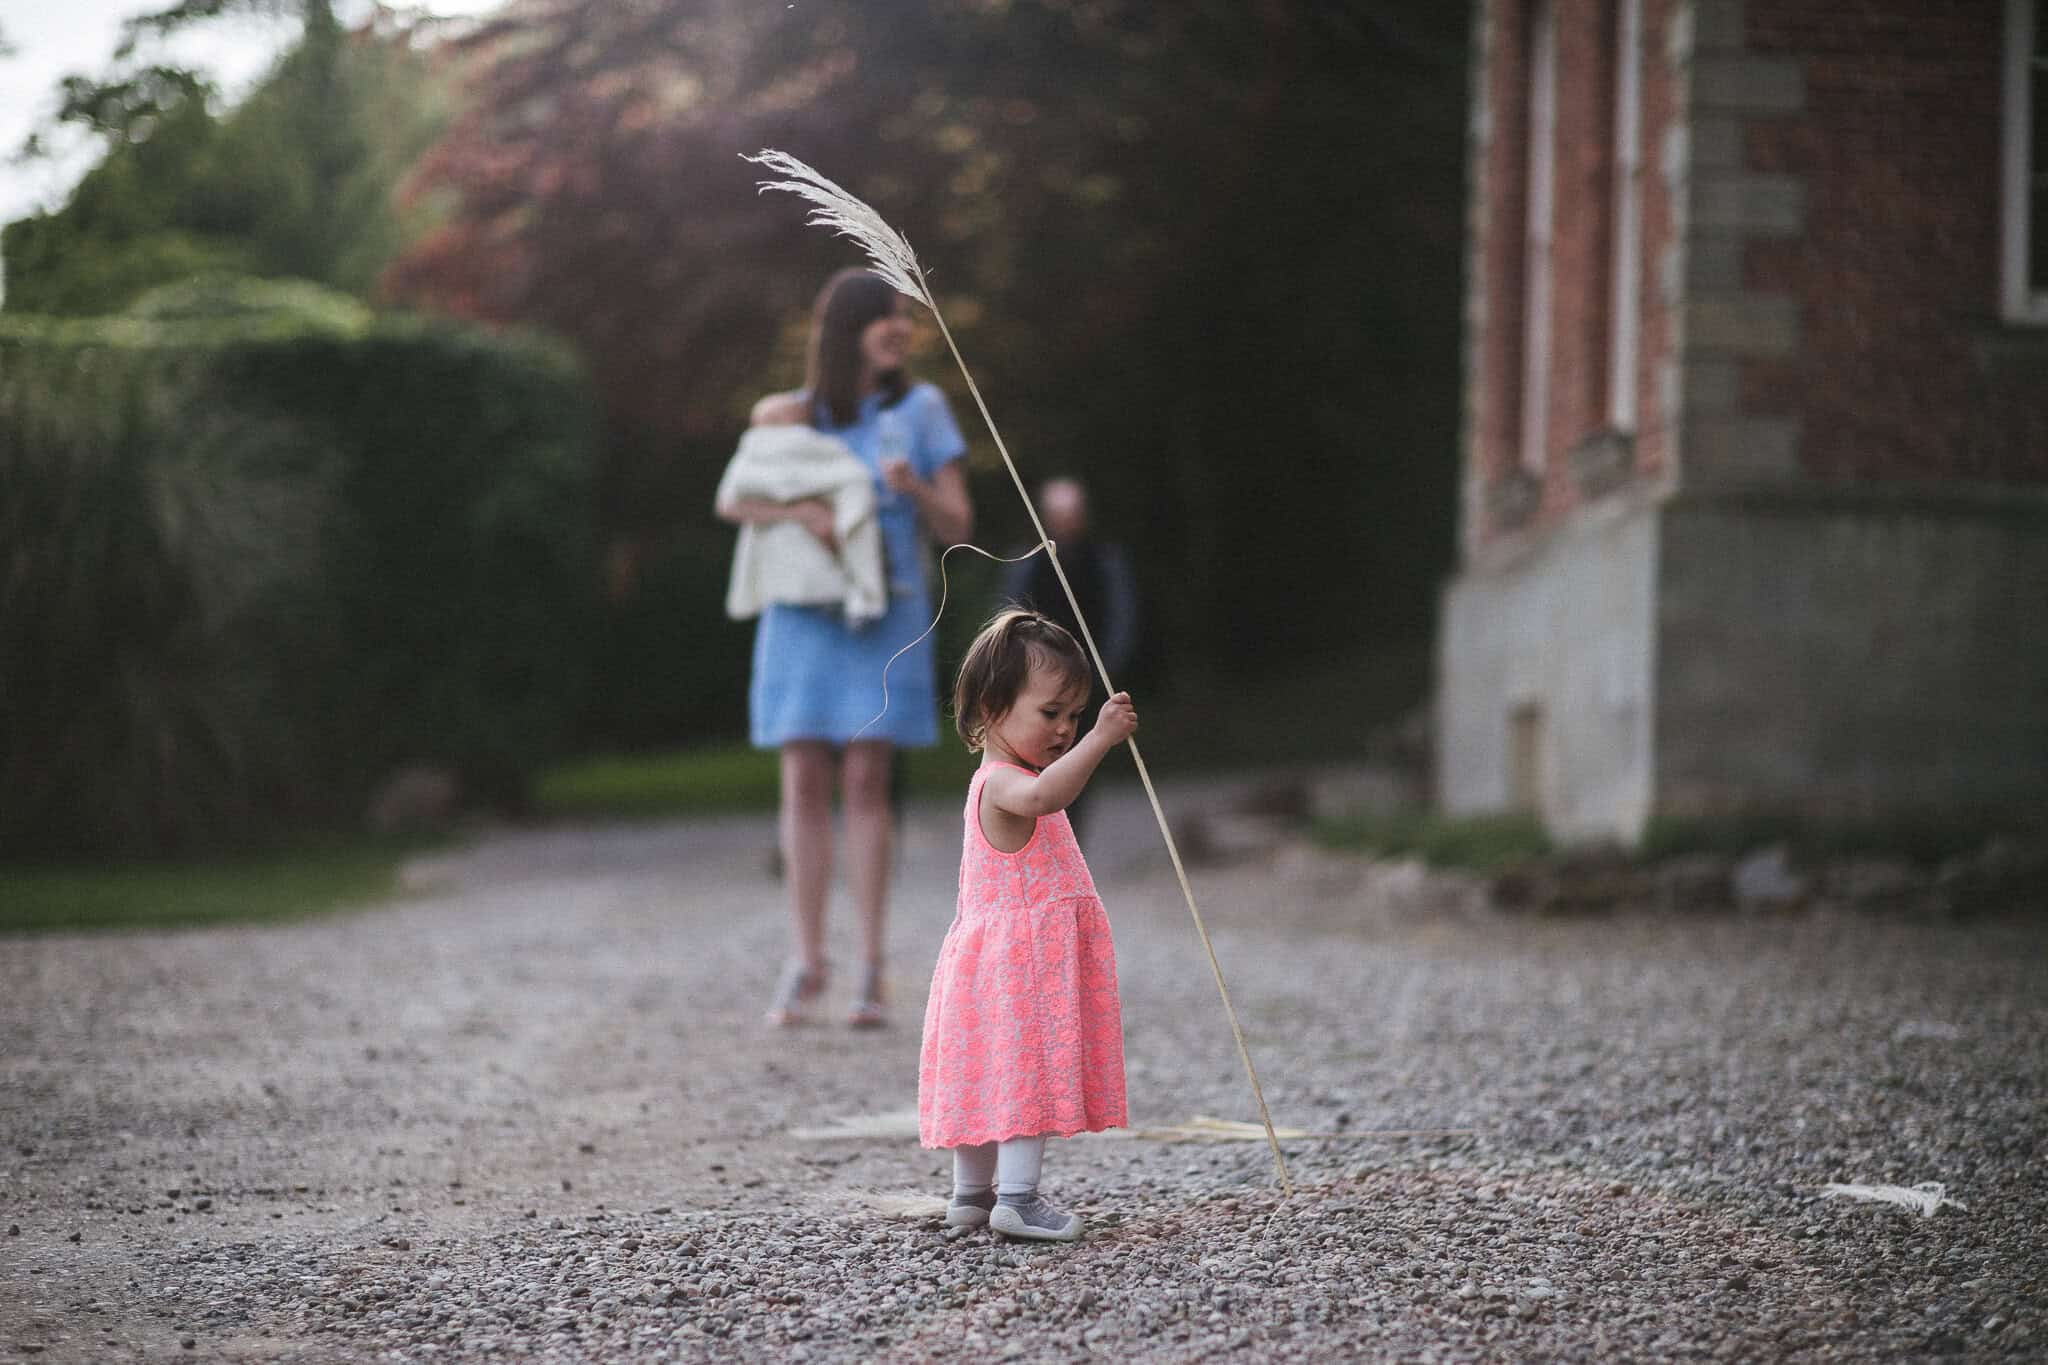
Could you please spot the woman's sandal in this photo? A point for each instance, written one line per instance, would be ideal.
(867, 1010)
(798, 989)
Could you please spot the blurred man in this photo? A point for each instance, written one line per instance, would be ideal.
(1101, 578)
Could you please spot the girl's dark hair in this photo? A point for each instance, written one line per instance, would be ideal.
(846, 305)
(998, 662)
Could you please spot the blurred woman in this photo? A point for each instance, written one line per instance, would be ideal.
(818, 681)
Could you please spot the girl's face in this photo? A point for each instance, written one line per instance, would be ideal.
(1042, 724)
(885, 342)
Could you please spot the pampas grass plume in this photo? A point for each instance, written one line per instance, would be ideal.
(1923, 1198)
(835, 208)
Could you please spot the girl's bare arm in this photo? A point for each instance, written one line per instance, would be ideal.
(1053, 789)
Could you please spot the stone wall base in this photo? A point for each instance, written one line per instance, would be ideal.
(1852, 656)
(1832, 656)
(1544, 674)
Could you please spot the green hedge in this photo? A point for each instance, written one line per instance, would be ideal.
(673, 668)
(263, 549)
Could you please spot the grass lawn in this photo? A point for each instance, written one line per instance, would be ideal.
(1304, 713)
(709, 781)
(1486, 843)
(277, 885)
(1320, 711)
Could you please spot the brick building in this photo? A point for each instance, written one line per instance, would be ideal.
(1755, 508)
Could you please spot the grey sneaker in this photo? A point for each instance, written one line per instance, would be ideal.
(798, 989)
(970, 1210)
(1031, 1217)
(868, 1011)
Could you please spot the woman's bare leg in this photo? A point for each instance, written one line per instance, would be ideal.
(870, 830)
(807, 843)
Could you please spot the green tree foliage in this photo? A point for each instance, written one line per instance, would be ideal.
(1204, 254)
(149, 212)
(263, 548)
(126, 108)
(295, 181)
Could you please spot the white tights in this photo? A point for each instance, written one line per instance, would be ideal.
(1012, 1167)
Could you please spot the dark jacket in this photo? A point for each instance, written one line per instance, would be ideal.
(1101, 577)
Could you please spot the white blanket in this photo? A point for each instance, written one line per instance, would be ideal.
(782, 561)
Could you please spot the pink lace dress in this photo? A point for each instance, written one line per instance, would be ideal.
(1023, 1034)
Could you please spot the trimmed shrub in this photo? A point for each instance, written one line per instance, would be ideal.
(246, 307)
(468, 580)
(261, 551)
(674, 669)
(162, 547)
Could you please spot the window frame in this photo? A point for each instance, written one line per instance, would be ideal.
(2023, 300)
(1539, 224)
(1625, 307)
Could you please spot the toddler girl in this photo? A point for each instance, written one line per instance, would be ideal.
(1023, 1036)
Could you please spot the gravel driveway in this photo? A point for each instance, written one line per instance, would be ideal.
(528, 1112)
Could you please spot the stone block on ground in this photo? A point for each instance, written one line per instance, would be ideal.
(1693, 882)
(417, 799)
(1765, 880)
(1584, 881)
(2006, 871)
(1873, 883)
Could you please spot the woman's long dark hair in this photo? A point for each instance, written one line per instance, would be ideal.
(846, 305)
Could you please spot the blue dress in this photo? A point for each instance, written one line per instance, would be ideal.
(815, 677)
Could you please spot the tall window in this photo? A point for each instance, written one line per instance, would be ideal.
(1626, 307)
(1541, 161)
(2026, 162)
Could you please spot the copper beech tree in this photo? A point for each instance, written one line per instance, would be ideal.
(1168, 234)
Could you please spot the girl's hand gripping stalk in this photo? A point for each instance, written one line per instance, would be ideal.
(1118, 719)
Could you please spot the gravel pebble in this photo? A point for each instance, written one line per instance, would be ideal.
(1648, 1104)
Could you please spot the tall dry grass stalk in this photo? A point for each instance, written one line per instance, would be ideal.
(890, 256)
